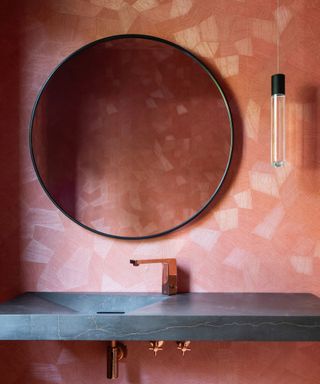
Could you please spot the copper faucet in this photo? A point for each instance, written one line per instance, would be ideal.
(169, 273)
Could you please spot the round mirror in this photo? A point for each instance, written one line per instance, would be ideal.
(131, 136)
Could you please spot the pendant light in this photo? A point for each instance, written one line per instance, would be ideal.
(278, 120)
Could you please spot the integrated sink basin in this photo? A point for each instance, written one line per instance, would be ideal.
(78, 303)
(146, 316)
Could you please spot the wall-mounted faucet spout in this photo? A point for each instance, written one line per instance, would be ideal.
(169, 273)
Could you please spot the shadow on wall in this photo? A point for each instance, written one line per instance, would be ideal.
(184, 279)
(308, 137)
(10, 270)
(310, 134)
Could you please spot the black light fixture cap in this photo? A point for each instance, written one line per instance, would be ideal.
(278, 84)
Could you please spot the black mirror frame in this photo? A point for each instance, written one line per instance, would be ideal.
(212, 77)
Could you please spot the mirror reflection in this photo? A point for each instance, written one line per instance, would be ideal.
(131, 137)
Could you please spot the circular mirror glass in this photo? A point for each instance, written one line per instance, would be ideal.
(131, 136)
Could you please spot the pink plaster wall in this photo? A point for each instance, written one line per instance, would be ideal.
(261, 235)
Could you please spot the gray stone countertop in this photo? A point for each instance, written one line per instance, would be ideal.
(150, 316)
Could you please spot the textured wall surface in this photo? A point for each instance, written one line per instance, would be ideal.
(262, 234)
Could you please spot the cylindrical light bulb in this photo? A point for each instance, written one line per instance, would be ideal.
(278, 120)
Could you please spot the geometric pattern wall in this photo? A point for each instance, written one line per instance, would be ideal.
(262, 231)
